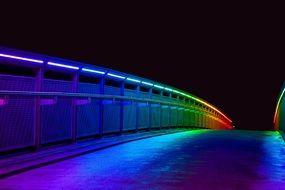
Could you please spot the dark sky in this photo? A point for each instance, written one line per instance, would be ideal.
(231, 57)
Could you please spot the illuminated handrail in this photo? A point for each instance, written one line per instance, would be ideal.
(53, 63)
(278, 104)
(108, 97)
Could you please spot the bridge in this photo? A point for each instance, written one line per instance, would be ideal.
(70, 125)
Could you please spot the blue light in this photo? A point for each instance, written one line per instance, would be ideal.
(93, 71)
(116, 76)
(133, 80)
(168, 89)
(63, 65)
(158, 86)
(147, 83)
(21, 58)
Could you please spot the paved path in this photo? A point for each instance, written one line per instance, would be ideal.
(200, 159)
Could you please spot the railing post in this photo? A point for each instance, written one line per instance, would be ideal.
(75, 80)
(183, 122)
(122, 93)
(38, 110)
(177, 114)
(160, 113)
(101, 107)
(137, 109)
(149, 110)
(169, 112)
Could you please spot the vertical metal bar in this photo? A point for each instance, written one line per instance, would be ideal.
(137, 109)
(122, 93)
(169, 112)
(101, 107)
(149, 110)
(190, 114)
(183, 112)
(38, 110)
(160, 113)
(177, 114)
(75, 80)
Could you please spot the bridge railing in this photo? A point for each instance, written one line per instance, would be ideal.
(46, 100)
(279, 115)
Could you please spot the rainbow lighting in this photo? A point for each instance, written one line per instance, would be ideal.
(110, 74)
(278, 104)
(21, 58)
(93, 71)
(209, 105)
(63, 65)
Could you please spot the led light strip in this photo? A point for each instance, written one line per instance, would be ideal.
(158, 86)
(130, 79)
(176, 91)
(278, 104)
(21, 58)
(168, 89)
(201, 101)
(93, 71)
(116, 76)
(205, 103)
(63, 65)
(147, 83)
(133, 80)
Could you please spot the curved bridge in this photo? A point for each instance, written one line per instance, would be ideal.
(46, 100)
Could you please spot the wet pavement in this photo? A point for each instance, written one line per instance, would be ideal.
(198, 159)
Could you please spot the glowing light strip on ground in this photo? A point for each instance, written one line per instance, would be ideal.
(20, 58)
(278, 104)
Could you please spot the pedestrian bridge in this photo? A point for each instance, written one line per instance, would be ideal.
(71, 125)
(46, 100)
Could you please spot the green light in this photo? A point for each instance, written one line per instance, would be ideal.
(176, 91)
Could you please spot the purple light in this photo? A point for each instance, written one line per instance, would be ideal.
(3, 102)
(63, 65)
(20, 58)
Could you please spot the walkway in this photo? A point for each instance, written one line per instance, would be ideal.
(199, 159)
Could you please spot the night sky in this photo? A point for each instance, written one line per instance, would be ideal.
(230, 57)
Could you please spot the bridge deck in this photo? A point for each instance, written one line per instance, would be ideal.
(200, 159)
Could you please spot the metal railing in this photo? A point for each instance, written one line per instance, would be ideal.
(37, 110)
(278, 120)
